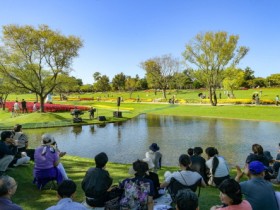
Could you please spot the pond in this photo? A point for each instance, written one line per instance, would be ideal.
(127, 141)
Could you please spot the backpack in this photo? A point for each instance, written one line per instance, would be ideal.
(174, 186)
(135, 195)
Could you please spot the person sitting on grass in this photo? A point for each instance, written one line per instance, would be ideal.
(97, 182)
(198, 163)
(47, 159)
(155, 155)
(185, 177)
(257, 191)
(8, 150)
(66, 192)
(186, 200)
(8, 188)
(231, 197)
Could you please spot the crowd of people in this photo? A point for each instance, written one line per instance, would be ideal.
(143, 189)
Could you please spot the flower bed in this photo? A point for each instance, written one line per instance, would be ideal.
(48, 107)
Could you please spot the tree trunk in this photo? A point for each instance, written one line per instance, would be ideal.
(164, 93)
(212, 95)
(42, 107)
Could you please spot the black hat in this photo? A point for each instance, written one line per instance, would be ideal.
(154, 147)
(101, 159)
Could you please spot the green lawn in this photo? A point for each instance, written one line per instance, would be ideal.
(30, 198)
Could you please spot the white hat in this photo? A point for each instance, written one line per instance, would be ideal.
(47, 139)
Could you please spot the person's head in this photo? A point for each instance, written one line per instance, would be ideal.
(22, 99)
(6, 135)
(154, 147)
(197, 150)
(66, 189)
(186, 200)
(190, 151)
(140, 167)
(47, 139)
(17, 128)
(230, 192)
(8, 186)
(211, 151)
(256, 168)
(257, 149)
(184, 160)
(101, 160)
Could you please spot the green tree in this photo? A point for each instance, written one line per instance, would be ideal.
(211, 53)
(274, 80)
(118, 82)
(233, 79)
(5, 89)
(248, 78)
(65, 84)
(102, 84)
(130, 85)
(33, 58)
(160, 71)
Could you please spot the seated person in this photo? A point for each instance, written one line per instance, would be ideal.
(46, 160)
(66, 192)
(258, 155)
(185, 177)
(140, 186)
(198, 163)
(8, 150)
(231, 197)
(218, 168)
(186, 200)
(8, 187)
(97, 182)
(22, 139)
(155, 155)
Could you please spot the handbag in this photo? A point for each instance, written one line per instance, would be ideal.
(113, 200)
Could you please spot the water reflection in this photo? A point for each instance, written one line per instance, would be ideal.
(124, 142)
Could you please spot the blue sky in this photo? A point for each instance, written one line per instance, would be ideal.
(119, 34)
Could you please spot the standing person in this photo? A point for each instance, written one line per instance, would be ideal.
(257, 191)
(8, 150)
(97, 182)
(66, 192)
(217, 166)
(16, 108)
(277, 100)
(34, 108)
(8, 188)
(155, 155)
(91, 113)
(231, 197)
(23, 106)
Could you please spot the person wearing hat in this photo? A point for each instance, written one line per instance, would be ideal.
(97, 182)
(46, 160)
(155, 156)
(8, 150)
(257, 191)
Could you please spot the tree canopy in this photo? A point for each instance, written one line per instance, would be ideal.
(32, 58)
(211, 53)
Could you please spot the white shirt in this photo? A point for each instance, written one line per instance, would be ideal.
(222, 169)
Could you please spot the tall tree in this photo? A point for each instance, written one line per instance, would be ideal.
(102, 84)
(248, 77)
(211, 53)
(34, 57)
(233, 79)
(65, 84)
(118, 82)
(160, 71)
(274, 80)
